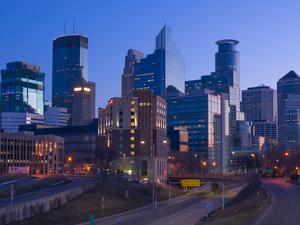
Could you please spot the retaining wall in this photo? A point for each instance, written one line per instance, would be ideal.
(35, 207)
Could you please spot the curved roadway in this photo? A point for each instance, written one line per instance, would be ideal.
(285, 208)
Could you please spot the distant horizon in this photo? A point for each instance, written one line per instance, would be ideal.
(267, 31)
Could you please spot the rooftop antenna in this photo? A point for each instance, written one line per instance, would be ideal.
(64, 27)
(74, 25)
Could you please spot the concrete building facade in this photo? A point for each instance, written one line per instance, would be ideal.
(135, 128)
(43, 154)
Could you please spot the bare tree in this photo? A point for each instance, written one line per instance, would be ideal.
(103, 166)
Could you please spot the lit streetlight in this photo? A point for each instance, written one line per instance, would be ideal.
(70, 159)
(153, 177)
(254, 161)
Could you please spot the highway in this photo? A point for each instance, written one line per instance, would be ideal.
(285, 208)
(19, 181)
(185, 210)
(76, 181)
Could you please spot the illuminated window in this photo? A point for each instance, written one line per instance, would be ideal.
(131, 138)
(87, 89)
(132, 124)
(132, 102)
(132, 146)
(132, 110)
(78, 89)
(132, 117)
(132, 131)
(132, 153)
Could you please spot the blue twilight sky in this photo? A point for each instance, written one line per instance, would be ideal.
(268, 31)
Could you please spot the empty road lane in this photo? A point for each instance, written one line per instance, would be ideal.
(286, 203)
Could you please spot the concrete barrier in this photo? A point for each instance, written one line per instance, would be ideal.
(35, 207)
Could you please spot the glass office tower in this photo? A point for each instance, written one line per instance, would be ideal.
(226, 78)
(163, 68)
(149, 73)
(205, 115)
(174, 64)
(288, 103)
(22, 88)
(227, 67)
(70, 65)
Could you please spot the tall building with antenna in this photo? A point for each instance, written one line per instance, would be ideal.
(69, 66)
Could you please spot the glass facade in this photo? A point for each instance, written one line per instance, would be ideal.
(288, 100)
(201, 114)
(226, 78)
(163, 68)
(227, 65)
(22, 88)
(193, 86)
(150, 73)
(174, 64)
(228, 57)
(70, 65)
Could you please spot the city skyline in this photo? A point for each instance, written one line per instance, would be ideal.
(195, 40)
(172, 112)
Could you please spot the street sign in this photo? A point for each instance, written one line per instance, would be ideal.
(190, 183)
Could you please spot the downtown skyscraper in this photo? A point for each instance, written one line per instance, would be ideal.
(226, 78)
(132, 58)
(161, 69)
(288, 100)
(83, 105)
(22, 95)
(259, 105)
(70, 65)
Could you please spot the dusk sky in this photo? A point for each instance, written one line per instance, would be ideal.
(268, 31)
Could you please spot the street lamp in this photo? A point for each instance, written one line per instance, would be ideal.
(203, 163)
(153, 177)
(214, 165)
(254, 161)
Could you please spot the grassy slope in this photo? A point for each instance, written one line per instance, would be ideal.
(244, 208)
(80, 209)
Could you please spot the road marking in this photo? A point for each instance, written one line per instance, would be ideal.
(12, 181)
(60, 182)
(266, 212)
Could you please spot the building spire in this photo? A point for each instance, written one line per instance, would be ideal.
(64, 27)
(74, 23)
